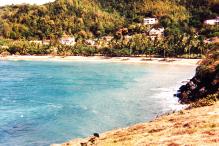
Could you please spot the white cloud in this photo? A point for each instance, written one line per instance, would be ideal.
(9, 2)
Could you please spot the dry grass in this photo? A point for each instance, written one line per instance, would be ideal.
(194, 127)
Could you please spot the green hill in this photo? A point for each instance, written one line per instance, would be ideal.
(88, 18)
(136, 10)
(81, 17)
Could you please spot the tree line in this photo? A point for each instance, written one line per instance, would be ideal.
(182, 45)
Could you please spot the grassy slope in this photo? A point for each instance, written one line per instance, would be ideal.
(187, 127)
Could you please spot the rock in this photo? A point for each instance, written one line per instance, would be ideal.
(96, 135)
(83, 144)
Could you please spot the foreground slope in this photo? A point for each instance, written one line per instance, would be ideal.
(199, 126)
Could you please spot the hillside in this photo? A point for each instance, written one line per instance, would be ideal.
(93, 18)
(81, 17)
(187, 127)
(136, 10)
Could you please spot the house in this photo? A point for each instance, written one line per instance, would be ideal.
(36, 42)
(41, 42)
(156, 31)
(46, 42)
(212, 40)
(90, 42)
(4, 47)
(107, 38)
(212, 21)
(150, 21)
(127, 37)
(67, 40)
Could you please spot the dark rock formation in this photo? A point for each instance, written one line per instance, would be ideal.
(205, 82)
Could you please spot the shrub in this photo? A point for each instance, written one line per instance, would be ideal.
(207, 101)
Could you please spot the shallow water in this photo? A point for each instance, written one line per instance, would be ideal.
(51, 102)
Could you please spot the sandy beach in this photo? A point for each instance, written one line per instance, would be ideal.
(174, 61)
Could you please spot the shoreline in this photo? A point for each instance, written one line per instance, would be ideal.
(144, 60)
(184, 127)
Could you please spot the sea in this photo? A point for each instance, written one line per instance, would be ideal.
(46, 102)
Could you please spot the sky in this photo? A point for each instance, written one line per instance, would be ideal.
(9, 2)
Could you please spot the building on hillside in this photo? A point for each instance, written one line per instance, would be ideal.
(46, 42)
(156, 31)
(36, 42)
(4, 47)
(107, 38)
(212, 40)
(127, 37)
(41, 42)
(212, 21)
(150, 21)
(67, 40)
(90, 42)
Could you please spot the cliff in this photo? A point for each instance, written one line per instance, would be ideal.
(203, 88)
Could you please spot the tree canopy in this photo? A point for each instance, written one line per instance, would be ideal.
(94, 18)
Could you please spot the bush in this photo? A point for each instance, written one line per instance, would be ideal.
(88, 51)
(207, 101)
(14, 49)
(203, 71)
(3, 49)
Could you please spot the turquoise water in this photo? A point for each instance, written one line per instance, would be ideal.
(52, 102)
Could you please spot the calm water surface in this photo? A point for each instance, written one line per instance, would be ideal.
(51, 102)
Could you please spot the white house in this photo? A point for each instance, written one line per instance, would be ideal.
(40, 42)
(212, 40)
(127, 37)
(90, 42)
(67, 40)
(156, 31)
(212, 21)
(150, 21)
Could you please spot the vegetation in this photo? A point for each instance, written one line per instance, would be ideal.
(135, 11)
(207, 101)
(137, 45)
(203, 89)
(84, 19)
(87, 18)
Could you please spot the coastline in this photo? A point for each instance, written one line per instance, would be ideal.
(174, 61)
(181, 128)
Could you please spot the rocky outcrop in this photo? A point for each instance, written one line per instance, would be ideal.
(205, 82)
